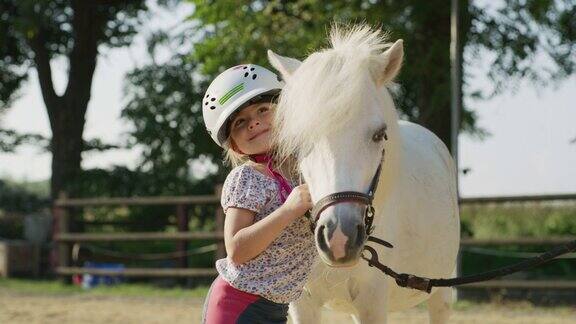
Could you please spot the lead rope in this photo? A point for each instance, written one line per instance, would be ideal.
(426, 284)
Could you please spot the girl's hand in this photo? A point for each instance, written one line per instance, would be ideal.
(299, 200)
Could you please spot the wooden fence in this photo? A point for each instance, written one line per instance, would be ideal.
(65, 239)
(527, 241)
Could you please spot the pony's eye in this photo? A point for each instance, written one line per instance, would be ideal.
(380, 135)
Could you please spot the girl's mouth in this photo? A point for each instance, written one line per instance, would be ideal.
(258, 134)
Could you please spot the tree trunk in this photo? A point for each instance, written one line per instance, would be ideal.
(67, 112)
(433, 89)
(67, 145)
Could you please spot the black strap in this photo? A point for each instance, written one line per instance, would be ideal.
(426, 284)
(353, 196)
(380, 241)
(375, 180)
(339, 197)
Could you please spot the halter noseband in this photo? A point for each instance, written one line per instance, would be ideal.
(350, 196)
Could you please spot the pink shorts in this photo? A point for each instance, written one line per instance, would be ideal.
(228, 305)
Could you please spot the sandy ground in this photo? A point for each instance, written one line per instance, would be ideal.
(33, 308)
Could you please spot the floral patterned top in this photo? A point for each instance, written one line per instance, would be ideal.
(280, 271)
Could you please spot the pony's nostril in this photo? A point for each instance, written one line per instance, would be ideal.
(321, 238)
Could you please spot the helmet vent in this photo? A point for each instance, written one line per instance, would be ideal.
(206, 102)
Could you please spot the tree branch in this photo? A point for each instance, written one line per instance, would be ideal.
(87, 25)
(42, 62)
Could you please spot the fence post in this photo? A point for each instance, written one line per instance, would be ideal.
(182, 223)
(220, 249)
(62, 221)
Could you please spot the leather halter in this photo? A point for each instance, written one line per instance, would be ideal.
(350, 196)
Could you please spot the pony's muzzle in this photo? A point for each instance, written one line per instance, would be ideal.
(340, 234)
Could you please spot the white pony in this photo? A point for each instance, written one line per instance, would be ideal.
(337, 116)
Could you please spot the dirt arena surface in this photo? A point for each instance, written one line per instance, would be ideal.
(30, 308)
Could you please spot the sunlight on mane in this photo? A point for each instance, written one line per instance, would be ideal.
(334, 83)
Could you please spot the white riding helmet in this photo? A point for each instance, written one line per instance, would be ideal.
(230, 91)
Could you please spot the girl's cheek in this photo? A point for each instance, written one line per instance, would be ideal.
(238, 130)
(242, 135)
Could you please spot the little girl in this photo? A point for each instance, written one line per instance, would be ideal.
(269, 244)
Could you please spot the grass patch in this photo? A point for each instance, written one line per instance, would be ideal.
(126, 289)
(518, 220)
(513, 306)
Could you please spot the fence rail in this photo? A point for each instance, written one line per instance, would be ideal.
(508, 199)
(137, 201)
(524, 284)
(139, 272)
(134, 236)
(518, 241)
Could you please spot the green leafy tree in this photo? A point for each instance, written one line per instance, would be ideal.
(10, 140)
(32, 33)
(17, 200)
(163, 107)
(513, 33)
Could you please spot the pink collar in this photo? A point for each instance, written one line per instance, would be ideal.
(284, 187)
(261, 158)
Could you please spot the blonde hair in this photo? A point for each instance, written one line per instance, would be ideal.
(288, 164)
(231, 157)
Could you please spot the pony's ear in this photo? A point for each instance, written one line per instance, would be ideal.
(285, 65)
(391, 62)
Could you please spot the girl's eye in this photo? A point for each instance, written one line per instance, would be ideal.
(238, 123)
(263, 109)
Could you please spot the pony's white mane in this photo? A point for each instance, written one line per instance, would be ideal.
(334, 82)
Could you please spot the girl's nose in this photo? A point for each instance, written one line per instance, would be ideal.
(253, 123)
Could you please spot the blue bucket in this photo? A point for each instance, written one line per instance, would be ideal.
(91, 281)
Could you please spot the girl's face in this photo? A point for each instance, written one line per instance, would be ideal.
(250, 129)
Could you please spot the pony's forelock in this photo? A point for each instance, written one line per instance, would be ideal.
(332, 82)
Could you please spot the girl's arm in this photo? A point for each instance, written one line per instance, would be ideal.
(245, 239)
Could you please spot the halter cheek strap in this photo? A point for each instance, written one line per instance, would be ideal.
(351, 196)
